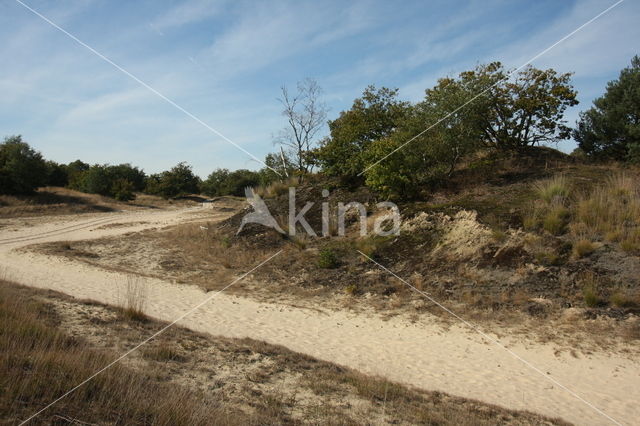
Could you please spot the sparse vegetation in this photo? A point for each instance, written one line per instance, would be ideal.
(135, 298)
(328, 259)
(591, 290)
(553, 190)
(582, 248)
(259, 384)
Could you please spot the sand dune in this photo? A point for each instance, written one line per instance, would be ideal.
(423, 354)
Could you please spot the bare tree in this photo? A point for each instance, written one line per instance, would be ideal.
(305, 115)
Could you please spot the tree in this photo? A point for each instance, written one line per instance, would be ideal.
(511, 114)
(74, 173)
(180, 180)
(305, 115)
(122, 190)
(130, 173)
(213, 185)
(611, 128)
(224, 182)
(278, 162)
(22, 169)
(373, 116)
(57, 174)
(458, 116)
(96, 180)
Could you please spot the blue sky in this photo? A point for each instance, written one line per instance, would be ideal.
(224, 61)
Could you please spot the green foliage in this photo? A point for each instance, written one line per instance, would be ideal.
(224, 182)
(611, 128)
(431, 137)
(372, 117)
(118, 182)
(57, 174)
(122, 190)
(180, 180)
(22, 169)
(517, 112)
(328, 259)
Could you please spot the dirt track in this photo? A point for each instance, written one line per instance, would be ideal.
(422, 354)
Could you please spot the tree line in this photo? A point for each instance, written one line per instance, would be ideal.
(395, 147)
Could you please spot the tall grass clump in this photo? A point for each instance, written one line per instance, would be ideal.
(591, 289)
(552, 189)
(135, 298)
(612, 210)
(549, 210)
(276, 188)
(39, 363)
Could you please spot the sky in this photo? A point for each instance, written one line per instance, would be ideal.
(224, 62)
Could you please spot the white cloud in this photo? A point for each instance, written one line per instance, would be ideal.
(186, 13)
(268, 33)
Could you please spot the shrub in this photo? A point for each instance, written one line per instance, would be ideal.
(22, 169)
(122, 190)
(180, 180)
(328, 259)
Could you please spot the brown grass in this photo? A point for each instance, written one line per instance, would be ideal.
(135, 298)
(583, 248)
(182, 377)
(612, 210)
(38, 363)
(49, 201)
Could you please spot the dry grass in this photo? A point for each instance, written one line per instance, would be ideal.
(612, 210)
(277, 188)
(549, 211)
(583, 248)
(49, 201)
(135, 298)
(590, 284)
(182, 377)
(552, 190)
(38, 363)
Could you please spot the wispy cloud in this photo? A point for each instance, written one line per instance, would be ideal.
(186, 13)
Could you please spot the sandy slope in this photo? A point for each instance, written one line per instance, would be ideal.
(423, 354)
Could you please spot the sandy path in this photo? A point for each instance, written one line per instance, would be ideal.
(423, 354)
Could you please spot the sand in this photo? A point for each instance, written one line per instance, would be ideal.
(455, 360)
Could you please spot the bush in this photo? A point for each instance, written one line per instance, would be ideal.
(22, 169)
(122, 190)
(328, 259)
(180, 180)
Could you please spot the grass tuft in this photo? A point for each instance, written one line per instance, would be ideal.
(583, 248)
